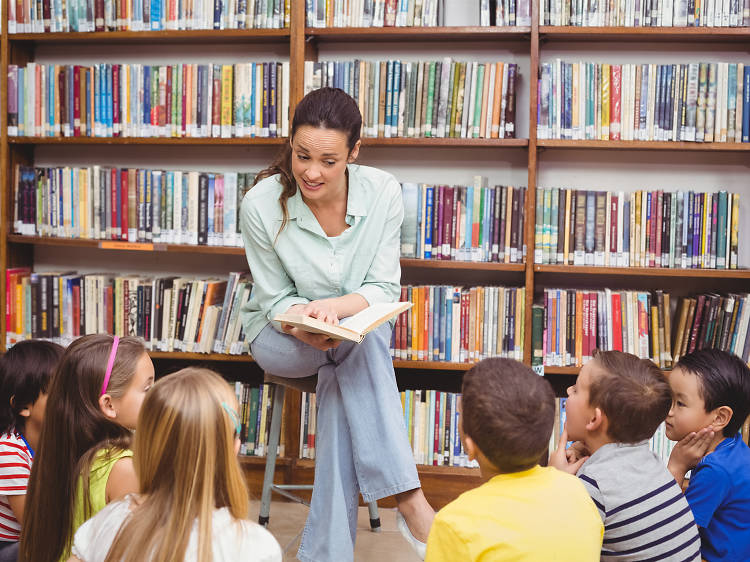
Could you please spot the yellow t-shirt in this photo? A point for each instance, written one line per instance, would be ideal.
(101, 466)
(540, 514)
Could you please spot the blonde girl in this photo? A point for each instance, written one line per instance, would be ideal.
(84, 460)
(193, 504)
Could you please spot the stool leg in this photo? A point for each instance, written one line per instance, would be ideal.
(374, 517)
(274, 434)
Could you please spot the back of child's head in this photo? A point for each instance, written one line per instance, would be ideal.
(25, 373)
(185, 459)
(508, 411)
(74, 428)
(632, 392)
(724, 380)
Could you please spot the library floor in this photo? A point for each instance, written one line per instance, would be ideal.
(288, 519)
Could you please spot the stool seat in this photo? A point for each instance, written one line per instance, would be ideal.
(303, 384)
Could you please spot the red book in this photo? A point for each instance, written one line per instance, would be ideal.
(454, 221)
(183, 125)
(437, 223)
(436, 433)
(124, 190)
(465, 324)
(76, 101)
(695, 330)
(390, 13)
(116, 125)
(613, 230)
(77, 310)
(652, 234)
(614, 108)
(447, 222)
(593, 308)
(115, 209)
(108, 309)
(427, 319)
(99, 15)
(585, 351)
(216, 109)
(616, 322)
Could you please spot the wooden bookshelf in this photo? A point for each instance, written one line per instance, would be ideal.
(441, 484)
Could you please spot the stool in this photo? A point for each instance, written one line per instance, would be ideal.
(279, 384)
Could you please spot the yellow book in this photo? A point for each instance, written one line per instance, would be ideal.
(605, 102)
(566, 244)
(226, 100)
(734, 236)
(704, 225)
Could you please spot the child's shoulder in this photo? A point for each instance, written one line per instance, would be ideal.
(12, 442)
(620, 465)
(731, 458)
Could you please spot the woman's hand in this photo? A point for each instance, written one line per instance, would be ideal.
(318, 341)
(320, 309)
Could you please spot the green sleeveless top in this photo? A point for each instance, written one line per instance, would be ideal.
(101, 466)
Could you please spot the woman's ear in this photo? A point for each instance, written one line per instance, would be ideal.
(354, 152)
(106, 406)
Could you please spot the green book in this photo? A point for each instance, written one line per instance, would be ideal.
(251, 426)
(430, 100)
(537, 334)
(721, 231)
(477, 102)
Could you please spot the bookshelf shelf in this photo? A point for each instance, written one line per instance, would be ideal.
(147, 141)
(419, 34)
(656, 34)
(461, 265)
(445, 142)
(645, 272)
(237, 36)
(182, 355)
(421, 468)
(252, 461)
(431, 365)
(645, 145)
(569, 371)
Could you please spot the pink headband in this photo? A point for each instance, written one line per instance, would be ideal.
(110, 364)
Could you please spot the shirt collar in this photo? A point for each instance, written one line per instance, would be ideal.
(355, 203)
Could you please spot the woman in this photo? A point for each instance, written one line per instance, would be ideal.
(322, 239)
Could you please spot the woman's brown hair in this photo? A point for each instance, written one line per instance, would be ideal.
(74, 429)
(187, 467)
(326, 108)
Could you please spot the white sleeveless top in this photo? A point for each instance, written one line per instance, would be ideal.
(232, 539)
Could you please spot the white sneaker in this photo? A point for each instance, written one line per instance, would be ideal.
(418, 546)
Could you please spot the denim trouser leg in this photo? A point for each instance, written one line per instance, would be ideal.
(361, 443)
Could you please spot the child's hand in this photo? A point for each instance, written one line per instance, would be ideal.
(560, 460)
(576, 452)
(689, 451)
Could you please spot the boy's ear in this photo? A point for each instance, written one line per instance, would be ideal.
(106, 406)
(470, 447)
(597, 421)
(25, 412)
(722, 417)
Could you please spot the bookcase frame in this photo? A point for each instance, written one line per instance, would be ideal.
(441, 484)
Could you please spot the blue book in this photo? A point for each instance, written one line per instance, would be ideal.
(721, 228)
(254, 93)
(697, 220)
(456, 436)
(568, 125)
(428, 218)
(442, 305)
(732, 94)
(109, 103)
(156, 15)
(70, 100)
(745, 105)
(388, 96)
(147, 96)
(51, 101)
(449, 296)
(395, 97)
(644, 100)
(435, 307)
(184, 219)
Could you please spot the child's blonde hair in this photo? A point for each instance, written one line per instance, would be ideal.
(74, 429)
(186, 463)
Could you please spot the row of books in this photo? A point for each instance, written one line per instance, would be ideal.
(572, 323)
(56, 16)
(136, 100)
(505, 13)
(255, 418)
(169, 313)
(431, 418)
(375, 13)
(681, 229)
(712, 320)
(133, 204)
(425, 99)
(695, 102)
(639, 13)
(465, 223)
(460, 324)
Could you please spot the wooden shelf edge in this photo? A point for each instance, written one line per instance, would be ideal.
(645, 145)
(148, 141)
(205, 35)
(445, 142)
(569, 371)
(193, 356)
(644, 272)
(453, 33)
(671, 34)
(431, 365)
(250, 460)
(421, 468)
(462, 265)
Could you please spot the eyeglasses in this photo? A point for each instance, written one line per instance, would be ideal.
(234, 417)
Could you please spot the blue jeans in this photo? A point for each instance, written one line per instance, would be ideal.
(361, 444)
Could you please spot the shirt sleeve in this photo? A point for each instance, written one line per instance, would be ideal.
(592, 487)
(383, 280)
(94, 538)
(15, 468)
(273, 290)
(444, 544)
(707, 490)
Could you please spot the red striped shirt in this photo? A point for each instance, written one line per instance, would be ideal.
(15, 468)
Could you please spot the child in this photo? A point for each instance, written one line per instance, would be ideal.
(711, 401)
(84, 461)
(193, 503)
(523, 511)
(25, 373)
(615, 406)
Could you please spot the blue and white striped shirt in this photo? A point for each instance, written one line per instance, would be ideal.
(646, 516)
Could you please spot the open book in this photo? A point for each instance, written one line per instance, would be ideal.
(353, 328)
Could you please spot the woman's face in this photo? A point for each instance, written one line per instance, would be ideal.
(319, 159)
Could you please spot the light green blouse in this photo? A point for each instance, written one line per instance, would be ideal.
(304, 264)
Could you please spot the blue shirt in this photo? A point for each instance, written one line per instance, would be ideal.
(719, 495)
(303, 264)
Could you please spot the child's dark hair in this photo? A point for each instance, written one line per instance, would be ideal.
(25, 373)
(327, 108)
(508, 411)
(632, 392)
(724, 381)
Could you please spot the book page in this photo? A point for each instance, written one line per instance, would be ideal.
(373, 316)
